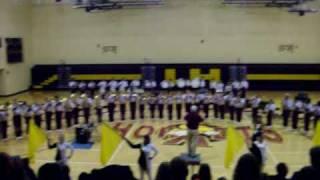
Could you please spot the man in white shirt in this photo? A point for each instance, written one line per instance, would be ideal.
(133, 98)
(160, 101)
(111, 106)
(37, 114)
(86, 107)
(59, 109)
(297, 109)
(235, 87)
(49, 110)
(68, 106)
(255, 103)
(123, 99)
(270, 109)
(178, 101)
(239, 106)
(308, 113)
(287, 105)
(244, 86)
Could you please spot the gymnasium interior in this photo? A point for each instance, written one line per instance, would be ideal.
(179, 47)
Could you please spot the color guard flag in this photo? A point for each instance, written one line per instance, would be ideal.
(37, 138)
(235, 142)
(316, 136)
(110, 139)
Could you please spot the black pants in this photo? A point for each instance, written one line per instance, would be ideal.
(269, 118)
(58, 119)
(160, 109)
(179, 109)
(170, 109)
(27, 119)
(92, 91)
(215, 110)
(133, 108)
(141, 111)
(188, 106)
(4, 129)
(86, 113)
(123, 111)
(99, 114)
(152, 108)
(243, 92)
(295, 119)
(111, 107)
(221, 110)
(235, 92)
(254, 114)
(48, 116)
(38, 120)
(17, 125)
(206, 110)
(286, 114)
(307, 118)
(239, 114)
(231, 111)
(69, 118)
(75, 115)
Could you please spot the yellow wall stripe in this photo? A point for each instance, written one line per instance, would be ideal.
(291, 77)
(84, 77)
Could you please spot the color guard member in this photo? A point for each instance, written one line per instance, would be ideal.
(287, 105)
(270, 109)
(133, 98)
(123, 99)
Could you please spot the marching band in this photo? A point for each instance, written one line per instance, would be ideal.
(122, 95)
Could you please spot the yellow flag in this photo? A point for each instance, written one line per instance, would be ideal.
(235, 142)
(37, 137)
(316, 136)
(110, 139)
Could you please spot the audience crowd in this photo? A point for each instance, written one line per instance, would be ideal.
(248, 167)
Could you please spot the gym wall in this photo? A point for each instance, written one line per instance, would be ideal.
(15, 21)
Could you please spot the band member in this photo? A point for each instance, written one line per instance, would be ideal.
(169, 103)
(133, 98)
(48, 109)
(232, 109)
(308, 113)
(123, 99)
(69, 107)
(297, 109)
(287, 105)
(188, 98)
(59, 109)
(102, 85)
(270, 109)
(221, 105)
(98, 102)
(219, 87)
(178, 101)
(142, 101)
(244, 86)
(235, 87)
(147, 152)
(316, 114)
(255, 103)
(206, 105)
(73, 85)
(212, 86)
(111, 106)
(113, 85)
(77, 101)
(82, 87)
(228, 88)
(193, 119)
(3, 123)
(37, 114)
(199, 98)
(86, 107)
(160, 102)
(17, 112)
(214, 101)
(152, 105)
(239, 106)
(62, 146)
(92, 88)
(27, 114)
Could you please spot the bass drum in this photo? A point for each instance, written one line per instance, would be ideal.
(181, 83)
(164, 84)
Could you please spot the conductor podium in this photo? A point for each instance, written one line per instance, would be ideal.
(83, 135)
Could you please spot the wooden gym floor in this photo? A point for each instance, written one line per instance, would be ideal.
(293, 150)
